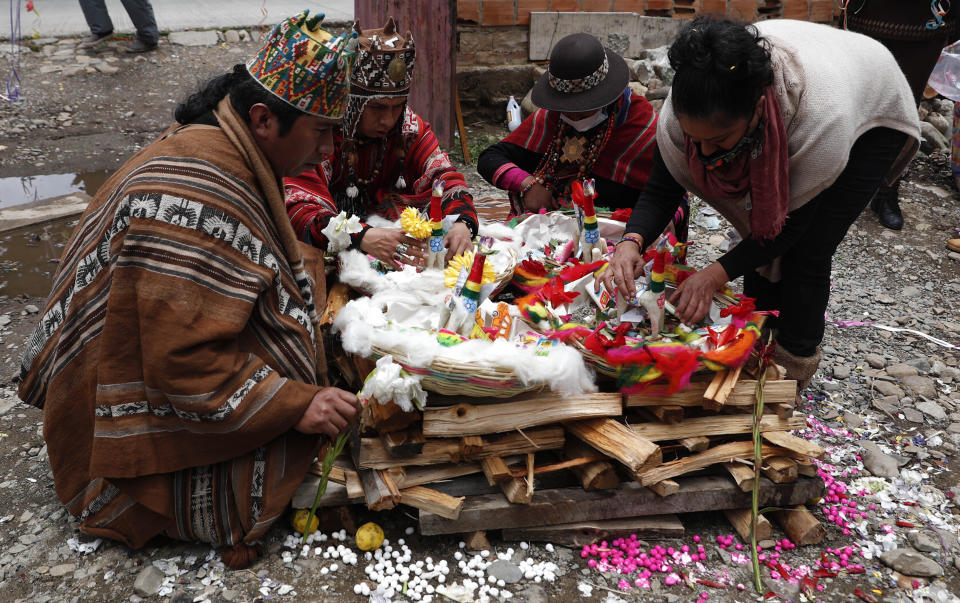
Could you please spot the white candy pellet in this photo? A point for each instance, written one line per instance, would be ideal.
(524, 546)
(334, 567)
(458, 555)
(409, 531)
(549, 547)
(357, 589)
(501, 583)
(441, 578)
(484, 554)
(462, 544)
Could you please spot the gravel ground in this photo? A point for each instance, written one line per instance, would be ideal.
(885, 404)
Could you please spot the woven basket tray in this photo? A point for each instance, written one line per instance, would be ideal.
(449, 377)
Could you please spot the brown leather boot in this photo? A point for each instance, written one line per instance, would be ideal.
(800, 368)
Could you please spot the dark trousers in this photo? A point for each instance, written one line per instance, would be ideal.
(140, 11)
(802, 293)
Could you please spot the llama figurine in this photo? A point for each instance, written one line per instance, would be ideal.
(592, 247)
(653, 298)
(435, 256)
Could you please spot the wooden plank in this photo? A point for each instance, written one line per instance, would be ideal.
(337, 297)
(590, 532)
(714, 426)
(495, 470)
(714, 386)
(618, 441)
(742, 474)
(667, 487)
(742, 395)
(432, 501)
(599, 475)
(562, 465)
(724, 453)
(780, 469)
(403, 444)
(800, 525)
(476, 484)
(789, 441)
(741, 519)
(418, 476)
(373, 455)
(696, 443)
(569, 505)
(474, 419)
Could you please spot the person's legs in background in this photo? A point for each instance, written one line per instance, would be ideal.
(141, 13)
(98, 20)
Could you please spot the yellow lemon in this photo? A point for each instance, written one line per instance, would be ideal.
(299, 521)
(369, 537)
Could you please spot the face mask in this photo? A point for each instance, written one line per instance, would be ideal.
(587, 123)
(721, 157)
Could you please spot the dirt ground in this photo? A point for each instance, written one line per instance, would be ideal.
(92, 121)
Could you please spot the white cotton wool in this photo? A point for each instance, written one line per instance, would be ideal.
(389, 382)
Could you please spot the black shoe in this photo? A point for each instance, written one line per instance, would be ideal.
(140, 46)
(94, 40)
(887, 207)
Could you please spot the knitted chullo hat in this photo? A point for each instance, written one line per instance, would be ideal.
(306, 66)
(384, 69)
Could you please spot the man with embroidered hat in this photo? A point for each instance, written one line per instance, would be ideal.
(385, 158)
(178, 361)
(589, 125)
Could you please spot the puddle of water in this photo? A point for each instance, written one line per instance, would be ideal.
(27, 189)
(28, 256)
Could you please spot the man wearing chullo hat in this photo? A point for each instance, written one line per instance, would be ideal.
(386, 158)
(178, 361)
(589, 125)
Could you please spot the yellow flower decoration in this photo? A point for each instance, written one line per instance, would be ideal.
(464, 261)
(414, 224)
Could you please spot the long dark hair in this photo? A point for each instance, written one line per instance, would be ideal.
(722, 67)
(244, 93)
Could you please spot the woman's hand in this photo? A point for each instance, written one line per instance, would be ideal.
(623, 269)
(392, 247)
(537, 197)
(457, 241)
(693, 297)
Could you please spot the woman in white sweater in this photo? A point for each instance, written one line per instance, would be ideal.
(787, 128)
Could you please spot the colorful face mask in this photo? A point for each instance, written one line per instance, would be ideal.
(754, 142)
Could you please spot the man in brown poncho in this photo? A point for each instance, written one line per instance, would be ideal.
(178, 361)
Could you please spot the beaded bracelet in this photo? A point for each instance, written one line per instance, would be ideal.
(526, 189)
(633, 239)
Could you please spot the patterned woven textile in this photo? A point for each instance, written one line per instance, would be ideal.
(177, 348)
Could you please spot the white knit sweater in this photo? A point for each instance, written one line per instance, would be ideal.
(833, 86)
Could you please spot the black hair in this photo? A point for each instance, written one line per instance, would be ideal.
(244, 93)
(722, 67)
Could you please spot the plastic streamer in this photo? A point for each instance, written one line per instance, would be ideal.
(13, 80)
(876, 325)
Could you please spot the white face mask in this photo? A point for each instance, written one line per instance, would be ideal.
(582, 125)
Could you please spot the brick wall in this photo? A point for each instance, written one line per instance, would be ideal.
(517, 12)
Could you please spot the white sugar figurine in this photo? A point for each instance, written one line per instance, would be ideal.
(436, 255)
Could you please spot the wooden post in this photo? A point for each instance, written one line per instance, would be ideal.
(434, 27)
(800, 525)
(599, 475)
(741, 519)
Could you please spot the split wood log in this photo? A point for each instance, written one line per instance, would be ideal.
(743, 394)
(373, 455)
(715, 384)
(589, 532)
(477, 541)
(386, 417)
(807, 468)
(789, 441)
(716, 401)
(469, 419)
(741, 519)
(800, 525)
(432, 501)
(495, 470)
(569, 505)
(567, 464)
(782, 409)
(724, 453)
(665, 488)
(780, 470)
(714, 426)
(599, 475)
(418, 476)
(742, 474)
(471, 445)
(337, 297)
(696, 443)
(668, 414)
(403, 444)
(618, 441)
(379, 490)
(517, 490)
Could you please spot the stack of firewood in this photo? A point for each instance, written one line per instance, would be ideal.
(544, 466)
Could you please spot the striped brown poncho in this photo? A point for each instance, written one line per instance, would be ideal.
(178, 347)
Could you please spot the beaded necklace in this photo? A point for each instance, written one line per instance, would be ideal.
(571, 148)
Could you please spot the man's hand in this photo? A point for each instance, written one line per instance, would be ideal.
(383, 244)
(693, 297)
(625, 265)
(329, 413)
(538, 197)
(457, 241)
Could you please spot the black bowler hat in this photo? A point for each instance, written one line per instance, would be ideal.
(583, 76)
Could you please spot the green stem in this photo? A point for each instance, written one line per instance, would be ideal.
(332, 453)
(757, 463)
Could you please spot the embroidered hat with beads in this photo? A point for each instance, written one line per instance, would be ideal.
(583, 76)
(306, 66)
(385, 60)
